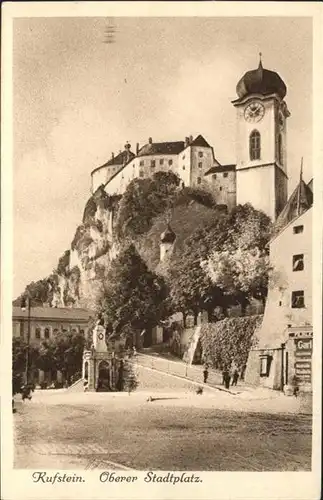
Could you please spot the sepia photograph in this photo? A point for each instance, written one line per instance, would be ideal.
(162, 287)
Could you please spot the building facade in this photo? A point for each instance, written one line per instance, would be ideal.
(284, 347)
(47, 322)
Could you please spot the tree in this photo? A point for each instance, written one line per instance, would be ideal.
(130, 378)
(191, 287)
(240, 267)
(143, 200)
(19, 358)
(135, 298)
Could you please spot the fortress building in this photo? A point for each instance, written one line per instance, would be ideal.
(259, 175)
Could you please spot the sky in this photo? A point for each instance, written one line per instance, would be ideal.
(76, 100)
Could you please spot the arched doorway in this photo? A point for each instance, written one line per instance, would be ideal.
(104, 377)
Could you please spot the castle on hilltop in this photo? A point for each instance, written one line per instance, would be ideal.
(259, 175)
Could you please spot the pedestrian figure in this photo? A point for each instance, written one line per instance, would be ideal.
(25, 393)
(205, 374)
(235, 377)
(226, 376)
(295, 386)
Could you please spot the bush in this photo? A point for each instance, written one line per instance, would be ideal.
(229, 340)
(43, 385)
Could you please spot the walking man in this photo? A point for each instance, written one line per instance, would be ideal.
(235, 377)
(205, 374)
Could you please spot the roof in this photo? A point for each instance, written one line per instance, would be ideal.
(200, 141)
(53, 313)
(261, 81)
(221, 168)
(310, 185)
(119, 160)
(299, 202)
(162, 148)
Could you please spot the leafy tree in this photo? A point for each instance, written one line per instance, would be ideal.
(191, 287)
(135, 298)
(66, 352)
(40, 292)
(143, 200)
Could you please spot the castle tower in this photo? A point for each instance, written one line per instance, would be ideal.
(167, 240)
(261, 166)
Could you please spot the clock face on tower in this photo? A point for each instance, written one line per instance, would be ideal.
(254, 112)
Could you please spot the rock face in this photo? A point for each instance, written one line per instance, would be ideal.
(82, 269)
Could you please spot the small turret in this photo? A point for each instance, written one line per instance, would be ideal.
(167, 239)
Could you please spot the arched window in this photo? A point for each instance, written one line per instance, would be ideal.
(37, 333)
(46, 333)
(280, 149)
(254, 145)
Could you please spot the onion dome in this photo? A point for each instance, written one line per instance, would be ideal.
(261, 81)
(168, 236)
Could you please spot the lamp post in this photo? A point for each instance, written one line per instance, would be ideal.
(26, 305)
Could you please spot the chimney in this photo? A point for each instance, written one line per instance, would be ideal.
(137, 148)
(112, 156)
(187, 141)
(191, 139)
(150, 140)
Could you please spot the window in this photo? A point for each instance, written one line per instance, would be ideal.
(153, 163)
(37, 333)
(82, 332)
(141, 173)
(142, 163)
(280, 149)
(220, 188)
(298, 299)
(298, 262)
(170, 162)
(55, 332)
(201, 154)
(133, 166)
(265, 362)
(214, 177)
(298, 229)
(200, 164)
(161, 161)
(46, 333)
(254, 145)
(183, 157)
(199, 180)
(225, 174)
(183, 167)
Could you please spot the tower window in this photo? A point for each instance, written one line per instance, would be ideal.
(200, 164)
(183, 167)
(214, 177)
(298, 262)
(161, 161)
(201, 154)
(225, 174)
(141, 173)
(254, 145)
(298, 229)
(298, 299)
(153, 163)
(142, 163)
(280, 149)
(199, 180)
(170, 162)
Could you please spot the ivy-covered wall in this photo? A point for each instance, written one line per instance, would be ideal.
(229, 340)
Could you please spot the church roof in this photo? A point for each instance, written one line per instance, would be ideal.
(161, 148)
(261, 81)
(299, 202)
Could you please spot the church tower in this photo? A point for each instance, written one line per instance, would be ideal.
(261, 167)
